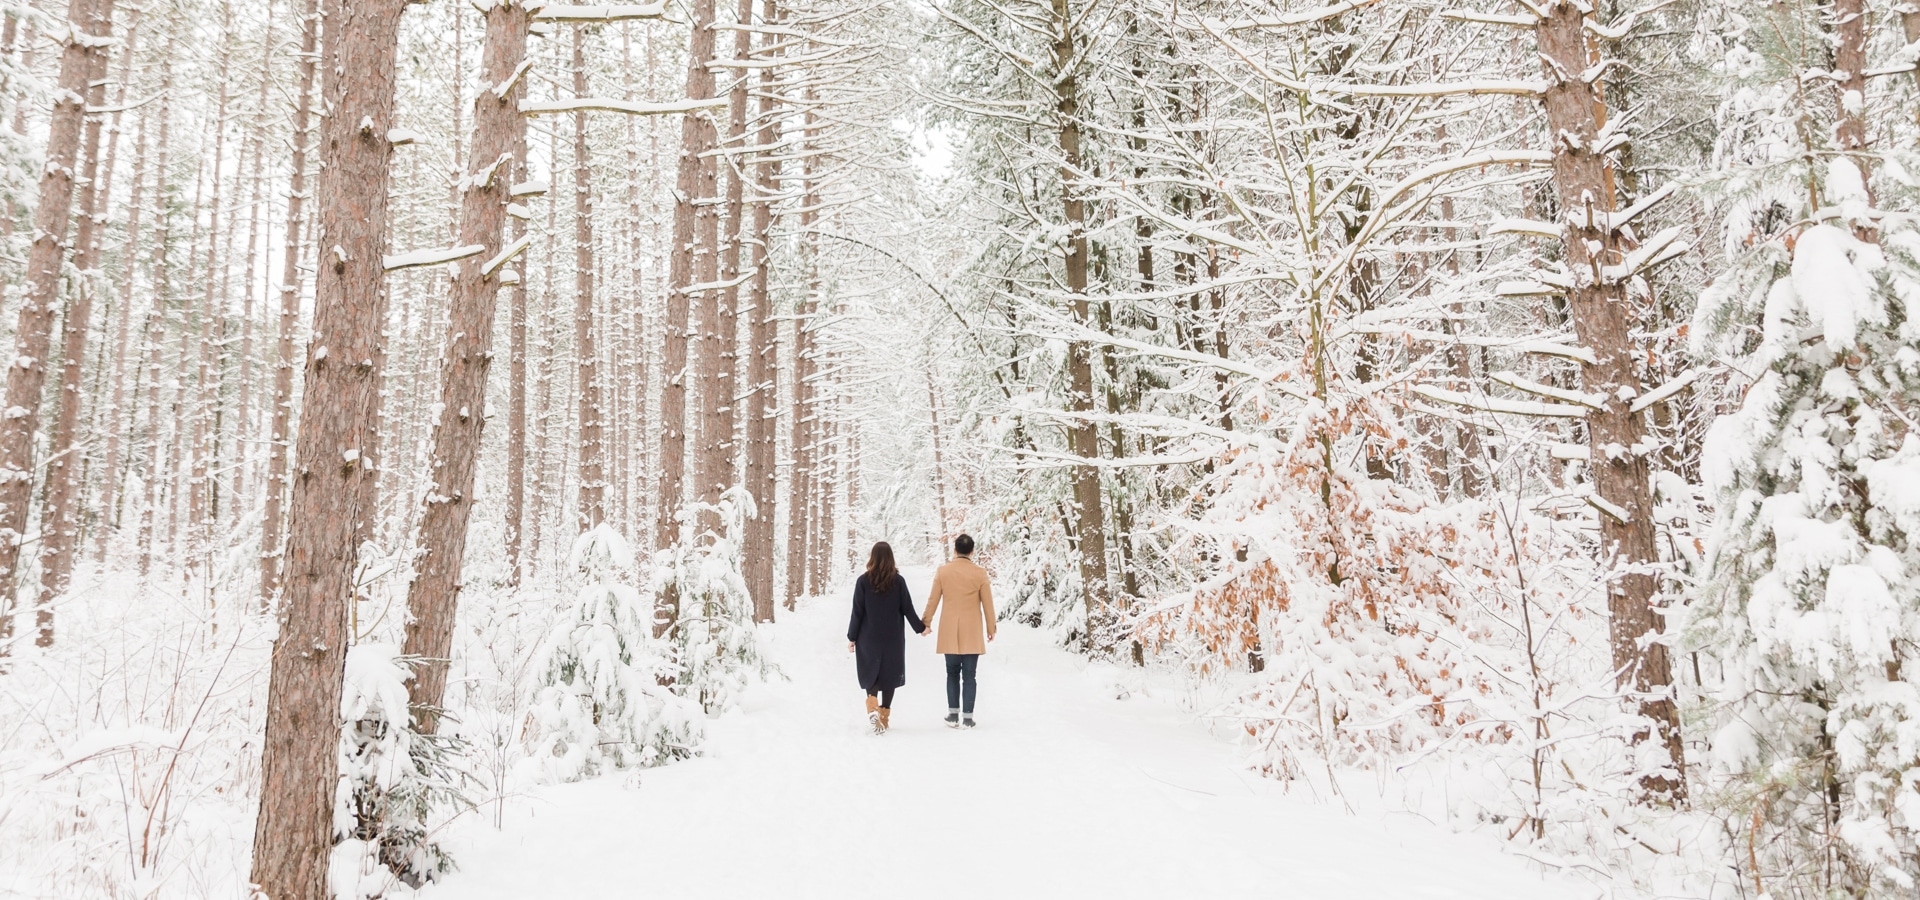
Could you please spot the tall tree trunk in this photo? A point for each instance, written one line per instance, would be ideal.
(1084, 436)
(256, 199)
(723, 464)
(593, 478)
(200, 409)
(517, 398)
(333, 488)
(803, 501)
(279, 438)
(59, 528)
(156, 328)
(1583, 180)
(33, 335)
(686, 262)
(763, 403)
(715, 439)
(433, 597)
(118, 419)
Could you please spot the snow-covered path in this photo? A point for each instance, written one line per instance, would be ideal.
(1063, 791)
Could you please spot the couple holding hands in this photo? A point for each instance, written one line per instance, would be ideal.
(878, 639)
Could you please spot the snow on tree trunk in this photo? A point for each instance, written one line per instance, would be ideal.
(280, 431)
(593, 475)
(697, 137)
(33, 334)
(125, 369)
(59, 527)
(762, 393)
(1090, 526)
(1584, 182)
(498, 133)
(333, 490)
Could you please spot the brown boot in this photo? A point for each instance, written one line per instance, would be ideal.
(882, 727)
(873, 713)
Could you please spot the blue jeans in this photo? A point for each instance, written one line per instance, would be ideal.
(960, 670)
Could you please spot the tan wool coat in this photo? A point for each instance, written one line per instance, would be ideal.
(967, 621)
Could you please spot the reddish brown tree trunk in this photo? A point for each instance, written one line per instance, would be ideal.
(1584, 183)
(33, 335)
(1084, 436)
(279, 438)
(686, 261)
(722, 461)
(125, 367)
(517, 400)
(333, 486)
(763, 397)
(433, 597)
(59, 528)
(593, 477)
(803, 501)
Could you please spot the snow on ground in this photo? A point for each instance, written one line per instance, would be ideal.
(1063, 791)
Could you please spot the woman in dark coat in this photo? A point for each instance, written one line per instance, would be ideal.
(879, 644)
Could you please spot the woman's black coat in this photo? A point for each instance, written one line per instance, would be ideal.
(880, 644)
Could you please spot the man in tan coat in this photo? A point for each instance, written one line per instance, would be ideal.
(966, 625)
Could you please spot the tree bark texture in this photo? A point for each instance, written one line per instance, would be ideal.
(593, 476)
(433, 597)
(684, 262)
(33, 335)
(279, 437)
(333, 490)
(59, 526)
(712, 459)
(1583, 181)
(1084, 437)
(517, 401)
(763, 401)
(125, 367)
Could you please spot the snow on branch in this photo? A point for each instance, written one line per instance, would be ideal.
(1619, 220)
(1660, 248)
(430, 257)
(1547, 347)
(505, 87)
(1613, 510)
(506, 256)
(1523, 88)
(1669, 389)
(1468, 15)
(624, 13)
(1303, 17)
(1516, 382)
(630, 107)
(1498, 405)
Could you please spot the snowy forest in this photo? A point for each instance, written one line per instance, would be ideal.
(1498, 419)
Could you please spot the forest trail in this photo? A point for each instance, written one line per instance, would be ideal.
(1063, 791)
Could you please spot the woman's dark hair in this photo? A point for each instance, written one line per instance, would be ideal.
(880, 569)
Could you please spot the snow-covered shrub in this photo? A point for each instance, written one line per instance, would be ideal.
(391, 780)
(1341, 591)
(129, 764)
(605, 698)
(713, 636)
(1811, 605)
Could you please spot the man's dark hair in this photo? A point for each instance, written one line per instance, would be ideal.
(963, 544)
